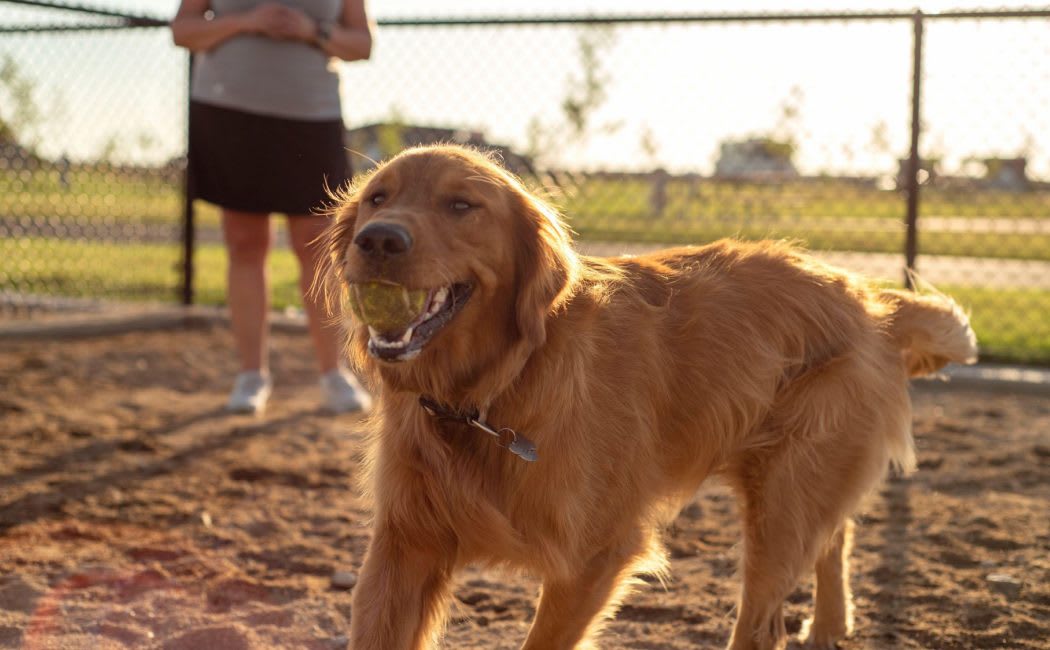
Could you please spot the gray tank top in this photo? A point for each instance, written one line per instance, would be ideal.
(261, 75)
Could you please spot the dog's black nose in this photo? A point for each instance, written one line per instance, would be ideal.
(381, 238)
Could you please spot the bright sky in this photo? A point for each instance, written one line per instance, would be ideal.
(681, 89)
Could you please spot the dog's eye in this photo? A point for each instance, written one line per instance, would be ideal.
(377, 198)
(459, 205)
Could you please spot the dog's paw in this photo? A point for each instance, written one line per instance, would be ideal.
(812, 637)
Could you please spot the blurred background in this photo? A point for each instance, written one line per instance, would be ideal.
(882, 137)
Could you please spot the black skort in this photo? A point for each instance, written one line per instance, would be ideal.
(258, 163)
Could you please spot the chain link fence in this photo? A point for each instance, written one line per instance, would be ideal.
(646, 131)
(91, 156)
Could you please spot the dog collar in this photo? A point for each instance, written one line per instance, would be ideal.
(507, 438)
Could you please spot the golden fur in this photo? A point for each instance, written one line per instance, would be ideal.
(637, 377)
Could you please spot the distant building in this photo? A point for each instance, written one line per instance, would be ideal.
(1006, 174)
(928, 172)
(1003, 174)
(756, 158)
(375, 142)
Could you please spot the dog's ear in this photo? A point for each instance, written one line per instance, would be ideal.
(545, 266)
(335, 239)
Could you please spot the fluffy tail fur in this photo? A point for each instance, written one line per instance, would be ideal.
(931, 330)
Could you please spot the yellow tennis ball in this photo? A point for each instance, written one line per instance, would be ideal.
(386, 306)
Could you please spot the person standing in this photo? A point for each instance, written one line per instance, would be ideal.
(266, 135)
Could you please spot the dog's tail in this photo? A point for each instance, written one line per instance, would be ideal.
(931, 330)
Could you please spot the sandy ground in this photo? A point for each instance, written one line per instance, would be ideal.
(135, 514)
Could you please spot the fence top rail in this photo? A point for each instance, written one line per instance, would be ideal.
(765, 17)
(127, 20)
(131, 20)
(96, 27)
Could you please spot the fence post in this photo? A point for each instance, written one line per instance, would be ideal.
(658, 192)
(911, 244)
(188, 193)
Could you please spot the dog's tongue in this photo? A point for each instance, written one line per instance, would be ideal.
(387, 307)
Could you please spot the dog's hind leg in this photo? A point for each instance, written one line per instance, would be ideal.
(822, 448)
(788, 520)
(778, 547)
(572, 608)
(833, 617)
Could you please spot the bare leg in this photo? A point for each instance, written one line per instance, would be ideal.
(247, 237)
(570, 609)
(833, 618)
(326, 336)
(400, 599)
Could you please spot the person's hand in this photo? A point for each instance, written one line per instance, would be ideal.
(267, 19)
(296, 25)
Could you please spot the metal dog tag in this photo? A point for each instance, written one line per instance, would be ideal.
(509, 439)
(523, 447)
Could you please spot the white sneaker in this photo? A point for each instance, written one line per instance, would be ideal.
(250, 392)
(342, 392)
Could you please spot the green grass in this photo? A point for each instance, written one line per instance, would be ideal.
(706, 199)
(873, 239)
(91, 195)
(827, 214)
(95, 196)
(152, 196)
(137, 272)
(1011, 325)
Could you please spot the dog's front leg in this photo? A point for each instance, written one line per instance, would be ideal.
(400, 598)
(570, 608)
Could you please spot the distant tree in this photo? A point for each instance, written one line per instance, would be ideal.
(20, 115)
(7, 134)
(777, 149)
(650, 147)
(109, 149)
(1029, 148)
(391, 136)
(787, 127)
(586, 92)
(126, 147)
(880, 138)
(540, 140)
(146, 141)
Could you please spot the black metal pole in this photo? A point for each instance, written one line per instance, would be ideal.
(188, 193)
(911, 244)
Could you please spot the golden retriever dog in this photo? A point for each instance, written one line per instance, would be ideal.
(549, 412)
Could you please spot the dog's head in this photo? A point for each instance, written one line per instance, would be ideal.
(484, 260)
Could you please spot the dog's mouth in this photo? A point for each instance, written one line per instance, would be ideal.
(406, 342)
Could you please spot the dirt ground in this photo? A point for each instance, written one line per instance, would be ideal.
(134, 513)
